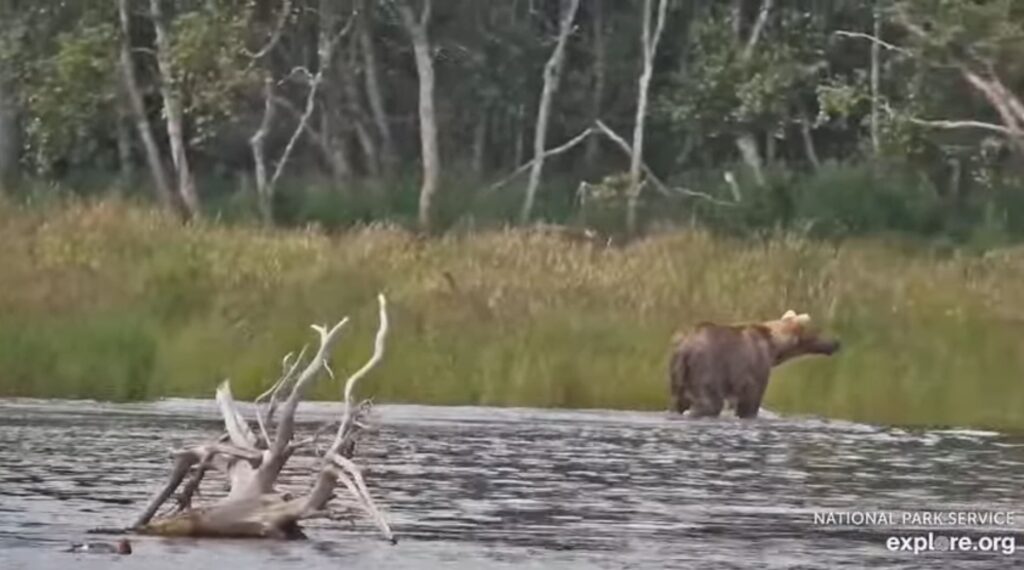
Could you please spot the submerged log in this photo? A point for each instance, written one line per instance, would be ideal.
(252, 460)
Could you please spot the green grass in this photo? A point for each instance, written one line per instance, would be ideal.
(111, 301)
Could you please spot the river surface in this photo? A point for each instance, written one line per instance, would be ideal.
(472, 487)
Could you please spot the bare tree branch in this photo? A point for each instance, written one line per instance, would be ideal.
(568, 145)
(285, 429)
(326, 55)
(314, 85)
(182, 464)
(552, 78)
(350, 384)
(265, 188)
(236, 426)
(649, 174)
(601, 128)
(252, 507)
(275, 35)
(755, 33)
(1009, 107)
(288, 374)
(1000, 98)
(948, 124)
(192, 485)
(873, 39)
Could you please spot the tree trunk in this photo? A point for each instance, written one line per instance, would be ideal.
(173, 112)
(954, 193)
(599, 73)
(479, 156)
(809, 148)
(337, 150)
(126, 163)
(417, 29)
(737, 18)
(264, 191)
(689, 142)
(137, 108)
(747, 145)
(552, 76)
(355, 113)
(371, 73)
(649, 43)
(746, 142)
(876, 50)
(333, 120)
(519, 144)
(8, 134)
(369, 146)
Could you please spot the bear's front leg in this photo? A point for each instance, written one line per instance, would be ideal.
(747, 409)
(709, 406)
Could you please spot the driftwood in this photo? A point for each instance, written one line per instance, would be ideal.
(252, 460)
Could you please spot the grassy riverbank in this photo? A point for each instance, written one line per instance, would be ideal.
(116, 302)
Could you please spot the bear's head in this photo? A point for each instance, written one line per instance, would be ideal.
(793, 335)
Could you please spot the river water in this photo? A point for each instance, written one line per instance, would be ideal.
(475, 487)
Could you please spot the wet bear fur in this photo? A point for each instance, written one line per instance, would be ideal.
(714, 365)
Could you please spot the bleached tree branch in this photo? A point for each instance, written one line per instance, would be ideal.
(953, 125)
(275, 34)
(568, 145)
(873, 39)
(350, 384)
(758, 29)
(649, 174)
(253, 508)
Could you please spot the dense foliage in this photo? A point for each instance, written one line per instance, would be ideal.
(838, 117)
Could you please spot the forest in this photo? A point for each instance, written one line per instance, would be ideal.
(546, 188)
(831, 117)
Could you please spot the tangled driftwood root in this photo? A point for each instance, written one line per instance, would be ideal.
(252, 460)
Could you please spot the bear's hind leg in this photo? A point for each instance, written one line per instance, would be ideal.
(708, 407)
(680, 403)
(749, 403)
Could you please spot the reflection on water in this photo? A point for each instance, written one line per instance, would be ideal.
(493, 488)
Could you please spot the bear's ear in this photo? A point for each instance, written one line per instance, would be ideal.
(789, 315)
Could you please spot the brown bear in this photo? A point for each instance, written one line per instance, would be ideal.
(717, 364)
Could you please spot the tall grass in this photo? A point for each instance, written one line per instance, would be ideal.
(109, 300)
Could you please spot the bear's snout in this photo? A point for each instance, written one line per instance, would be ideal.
(829, 346)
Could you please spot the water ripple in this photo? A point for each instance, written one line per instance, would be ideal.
(479, 487)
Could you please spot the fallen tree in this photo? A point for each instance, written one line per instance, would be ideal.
(252, 460)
